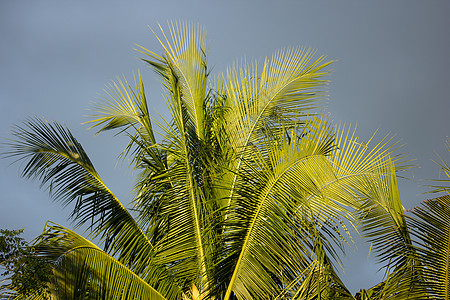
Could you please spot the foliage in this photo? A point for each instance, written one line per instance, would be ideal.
(27, 272)
(423, 270)
(431, 227)
(247, 191)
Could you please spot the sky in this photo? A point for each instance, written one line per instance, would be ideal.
(391, 74)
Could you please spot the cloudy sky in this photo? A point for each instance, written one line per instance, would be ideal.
(391, 74)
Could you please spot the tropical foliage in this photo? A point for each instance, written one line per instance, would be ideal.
(245, 192)
(21, 266)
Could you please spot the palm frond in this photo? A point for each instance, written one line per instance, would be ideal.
(286, 89)
(382, 219)
(126, 109)
(288, 85)
(86, 272)
(445, 168)
(56, 158)
(57, 241)
(186, 54)
(430, 225)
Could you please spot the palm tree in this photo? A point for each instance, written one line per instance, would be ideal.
(242, 194)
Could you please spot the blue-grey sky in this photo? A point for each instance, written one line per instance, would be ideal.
(391, 74)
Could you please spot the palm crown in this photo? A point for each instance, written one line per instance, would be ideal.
(242, 195)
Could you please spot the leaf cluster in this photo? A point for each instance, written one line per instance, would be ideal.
(23, 268)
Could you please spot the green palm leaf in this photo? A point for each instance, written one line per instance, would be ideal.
(445, 168)
(89, 273)
(431, 227)
(56, 242)
(56, 158)
(288, 86)
(126, 109)
(186, 54)
(382, 219)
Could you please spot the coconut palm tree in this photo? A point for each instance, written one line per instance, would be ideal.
(241, 195)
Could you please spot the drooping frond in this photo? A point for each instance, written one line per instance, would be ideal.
(382, 219)
(430, 225)
(56, 241)
(86, 272)
(383, 209)
(56, 158)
